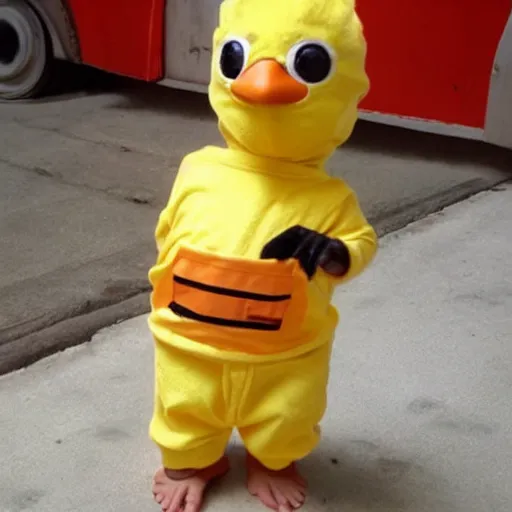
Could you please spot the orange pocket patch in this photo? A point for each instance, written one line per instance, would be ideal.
(232, 292)
(230, 307)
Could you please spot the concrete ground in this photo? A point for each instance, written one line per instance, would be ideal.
(84, 173)
(420, 413)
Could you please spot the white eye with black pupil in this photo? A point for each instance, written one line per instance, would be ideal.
(310, 62)
(233, 57)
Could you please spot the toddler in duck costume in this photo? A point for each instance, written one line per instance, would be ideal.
(251, 244)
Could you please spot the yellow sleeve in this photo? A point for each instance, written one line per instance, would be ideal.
(163, 227)
(351, 227)
(166, 217)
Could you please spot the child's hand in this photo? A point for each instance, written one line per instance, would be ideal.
(311, 249)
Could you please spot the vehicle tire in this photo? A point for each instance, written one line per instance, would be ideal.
(25, 51)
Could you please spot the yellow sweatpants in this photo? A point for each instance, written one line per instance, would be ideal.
(276, 407)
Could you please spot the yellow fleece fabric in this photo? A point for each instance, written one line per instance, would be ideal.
(225, 206)
(276, 407)
(232, 203)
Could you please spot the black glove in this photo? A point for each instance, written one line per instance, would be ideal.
(311, 249)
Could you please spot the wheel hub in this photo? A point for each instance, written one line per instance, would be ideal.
(17, 32)
(9, 43)
(22, 49)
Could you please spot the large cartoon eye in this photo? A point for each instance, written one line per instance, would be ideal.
(310, 62)
(233, 57)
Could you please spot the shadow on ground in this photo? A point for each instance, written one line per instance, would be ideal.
(70, 79)
(353, 476)
(371, 137)
(415, 145)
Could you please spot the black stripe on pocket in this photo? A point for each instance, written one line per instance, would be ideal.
(239, 294)
(224, 322)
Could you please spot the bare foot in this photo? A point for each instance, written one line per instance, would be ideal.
(283, 490)
(182, 491)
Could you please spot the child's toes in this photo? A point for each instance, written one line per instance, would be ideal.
(165, 503)
(158, 490)
(193, 500)
(295, 503)
(281, 499)
(176, 504)
(297, 496)
(266, 497)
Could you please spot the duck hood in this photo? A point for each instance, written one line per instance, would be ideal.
(287, 77)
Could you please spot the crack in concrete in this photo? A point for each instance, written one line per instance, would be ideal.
(71, 136)
(108, 192)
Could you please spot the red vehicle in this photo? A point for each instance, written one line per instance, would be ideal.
(442, 66)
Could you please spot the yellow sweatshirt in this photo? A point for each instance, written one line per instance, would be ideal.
(226, 205)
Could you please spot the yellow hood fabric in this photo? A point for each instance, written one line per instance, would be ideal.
(309, 131)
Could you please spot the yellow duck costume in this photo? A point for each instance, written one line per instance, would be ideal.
(255, 237)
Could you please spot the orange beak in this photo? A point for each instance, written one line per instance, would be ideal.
(266, 82)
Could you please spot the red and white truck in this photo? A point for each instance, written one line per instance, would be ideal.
(442, 66)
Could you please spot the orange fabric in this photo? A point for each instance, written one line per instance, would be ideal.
(266, 82)
(254, 276)
(235, 273)
(210, 304)
(276, 297)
